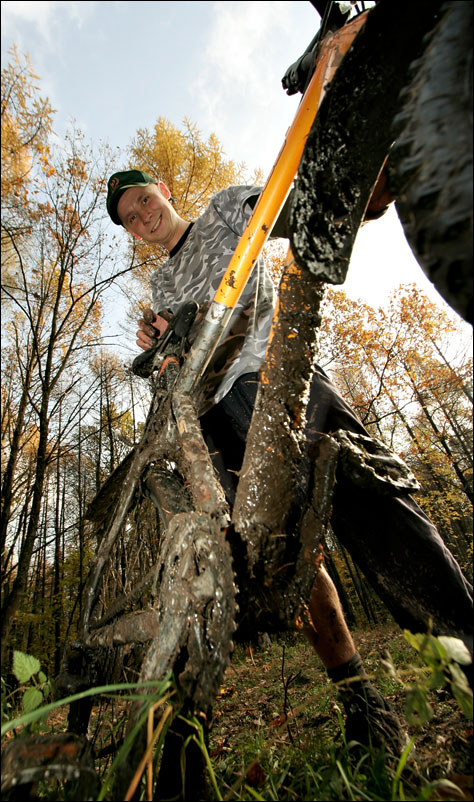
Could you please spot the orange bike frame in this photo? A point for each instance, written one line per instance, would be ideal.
(330, 54)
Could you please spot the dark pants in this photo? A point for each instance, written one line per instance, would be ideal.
(391, 539)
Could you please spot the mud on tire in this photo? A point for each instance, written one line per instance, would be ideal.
(431, 161)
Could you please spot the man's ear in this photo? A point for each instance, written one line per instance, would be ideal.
(164, 190)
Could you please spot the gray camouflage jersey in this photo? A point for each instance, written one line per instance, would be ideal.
(195, 272)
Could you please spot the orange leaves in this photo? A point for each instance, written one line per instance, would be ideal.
(44, 154)
(279, 721)
(194, 169)
(226, 691)
(405, 372)
(26, 123)
(390, 347)
(77, 169)
(275, 257)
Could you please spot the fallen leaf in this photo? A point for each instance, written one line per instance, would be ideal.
(279, 721)
(255, 775)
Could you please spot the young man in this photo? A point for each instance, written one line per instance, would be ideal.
(407, 564)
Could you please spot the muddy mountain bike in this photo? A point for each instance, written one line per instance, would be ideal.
(174, 612)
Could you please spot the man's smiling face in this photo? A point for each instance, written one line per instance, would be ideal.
(146, 212)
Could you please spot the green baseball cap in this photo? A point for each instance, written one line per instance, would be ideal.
(118, 183)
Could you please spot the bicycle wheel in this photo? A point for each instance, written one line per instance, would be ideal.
(160, 598)
(160, 591)
(431, 161)
(194, 621)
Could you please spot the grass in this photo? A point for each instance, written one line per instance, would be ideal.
(277, 731)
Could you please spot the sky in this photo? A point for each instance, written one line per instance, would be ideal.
(115, 67)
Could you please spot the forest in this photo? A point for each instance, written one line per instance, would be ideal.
(72, 409)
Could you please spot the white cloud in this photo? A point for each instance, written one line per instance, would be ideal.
(248, 49)
(43, 14)
(39, 29)
(241, 40)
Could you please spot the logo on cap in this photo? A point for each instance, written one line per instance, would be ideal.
(114, 182)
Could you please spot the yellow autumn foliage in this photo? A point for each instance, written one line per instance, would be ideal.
(193, 168)
(26, 122)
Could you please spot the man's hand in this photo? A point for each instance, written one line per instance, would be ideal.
(151, 327)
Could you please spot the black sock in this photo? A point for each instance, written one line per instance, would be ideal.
(359, 690)
(352, 668)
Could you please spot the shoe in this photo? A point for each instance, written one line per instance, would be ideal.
(370, 720)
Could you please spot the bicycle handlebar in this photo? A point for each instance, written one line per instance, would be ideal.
(298, 74)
